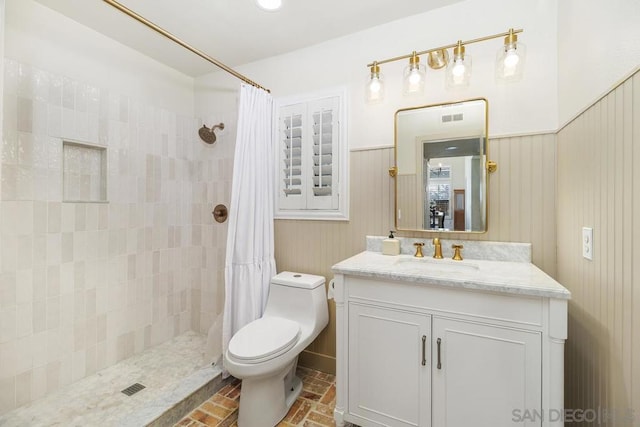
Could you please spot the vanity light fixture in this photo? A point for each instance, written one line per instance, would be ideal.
(414, 76)
(509, 65)
(374, 90)
(459, 69)
(269, 5)
(510, 59)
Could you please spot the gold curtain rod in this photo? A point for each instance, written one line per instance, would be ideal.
(449, 46)
(170, 36)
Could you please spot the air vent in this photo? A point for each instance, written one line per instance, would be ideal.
(447, 118)
(133, 389)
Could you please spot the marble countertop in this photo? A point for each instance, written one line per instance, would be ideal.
(520, 278)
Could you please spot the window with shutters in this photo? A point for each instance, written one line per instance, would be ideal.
(312, 157)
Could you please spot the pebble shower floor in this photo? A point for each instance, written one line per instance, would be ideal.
(313, 408)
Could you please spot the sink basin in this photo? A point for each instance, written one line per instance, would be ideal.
(436, 266)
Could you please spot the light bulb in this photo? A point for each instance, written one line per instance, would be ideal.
(374, 88)
(414, 77)
(269, 5)
(375, 85)
(458, 68)
(512, 58)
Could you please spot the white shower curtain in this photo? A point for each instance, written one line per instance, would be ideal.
(250, 261)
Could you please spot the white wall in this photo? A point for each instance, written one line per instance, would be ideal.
(598, 46)
(527, 106)
(43, 38)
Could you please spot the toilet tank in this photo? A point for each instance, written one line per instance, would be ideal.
(298, 296)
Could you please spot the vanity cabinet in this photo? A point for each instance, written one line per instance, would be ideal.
(387, 373)
(416, 353)
(481, 373)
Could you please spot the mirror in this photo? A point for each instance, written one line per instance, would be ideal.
(441, 167)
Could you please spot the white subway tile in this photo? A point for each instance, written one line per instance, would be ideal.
(7, 393)
(39, 349)
(23, 388)
(24, 320)
(25, 81)
(39, 381)
(25, 114)
(8, 319)
(24, 183)
(25, 149)
(53, 313)
(68, 93)
(54, 120)
(24, 286)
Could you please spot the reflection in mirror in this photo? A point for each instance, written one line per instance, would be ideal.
(441, 175)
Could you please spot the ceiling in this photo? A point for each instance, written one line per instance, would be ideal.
(234, 31)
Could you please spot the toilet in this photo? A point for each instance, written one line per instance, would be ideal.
(264, 353)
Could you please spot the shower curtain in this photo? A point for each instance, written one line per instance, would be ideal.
(250, 261)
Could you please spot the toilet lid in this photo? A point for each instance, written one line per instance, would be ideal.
(264, 339)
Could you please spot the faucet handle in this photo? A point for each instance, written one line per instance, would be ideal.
(418, 246)
(456, 254)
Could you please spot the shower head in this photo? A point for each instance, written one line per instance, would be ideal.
(208, 134)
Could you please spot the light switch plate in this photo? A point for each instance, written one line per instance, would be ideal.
(587, 243)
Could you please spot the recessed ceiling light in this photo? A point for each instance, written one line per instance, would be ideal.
(269, 5)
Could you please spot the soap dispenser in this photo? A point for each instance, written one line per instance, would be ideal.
(391, 245)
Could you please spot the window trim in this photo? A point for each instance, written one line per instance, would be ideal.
(342, 213)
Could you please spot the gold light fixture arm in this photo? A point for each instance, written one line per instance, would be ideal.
(511, 32)
(185, 45)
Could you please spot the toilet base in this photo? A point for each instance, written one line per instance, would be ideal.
(265, 402)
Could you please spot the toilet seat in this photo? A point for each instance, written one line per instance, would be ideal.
(263, 339)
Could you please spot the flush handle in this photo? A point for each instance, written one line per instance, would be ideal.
(439, 364)
(424, 350)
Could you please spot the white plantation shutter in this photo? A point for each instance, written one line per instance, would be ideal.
(311, 159)
(291, 194)
(325, 135)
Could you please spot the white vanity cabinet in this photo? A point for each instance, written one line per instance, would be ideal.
(388, 373)
(425, 352)
(481, 373)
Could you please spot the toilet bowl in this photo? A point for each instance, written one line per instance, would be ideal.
(264, 353)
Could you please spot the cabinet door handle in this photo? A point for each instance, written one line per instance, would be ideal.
(424, 350)
(439, 364)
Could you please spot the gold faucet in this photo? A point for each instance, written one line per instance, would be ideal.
(437, 246)
(418, 253)
(456, 252)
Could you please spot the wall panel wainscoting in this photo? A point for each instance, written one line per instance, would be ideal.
(599, 188)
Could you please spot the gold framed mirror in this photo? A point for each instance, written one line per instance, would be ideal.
(441, 167)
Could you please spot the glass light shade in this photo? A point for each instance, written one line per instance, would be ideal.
(269, 5)
(413, 79)
(414, 76)
(510, 61)
(374, 89)
(459, 70)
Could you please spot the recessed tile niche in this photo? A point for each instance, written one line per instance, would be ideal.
(84, 172)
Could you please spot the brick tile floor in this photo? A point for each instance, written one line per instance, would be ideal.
(313, 408)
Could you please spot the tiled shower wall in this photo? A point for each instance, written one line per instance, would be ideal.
(85, 285)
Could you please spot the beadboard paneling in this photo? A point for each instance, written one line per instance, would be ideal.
(598, 187)
(522, 209)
